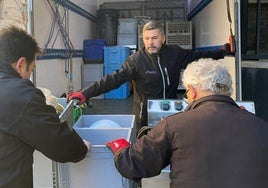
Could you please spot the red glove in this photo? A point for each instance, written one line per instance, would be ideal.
(242, 108)
(227, 49)
(77, 95)
(117, 145)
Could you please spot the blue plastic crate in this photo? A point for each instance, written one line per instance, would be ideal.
(94, 49)
(120, 93)
(115, 55)
(108, 69)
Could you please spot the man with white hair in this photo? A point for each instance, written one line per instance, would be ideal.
(214, 143)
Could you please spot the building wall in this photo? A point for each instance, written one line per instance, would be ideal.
(51, 73)
(13, 12)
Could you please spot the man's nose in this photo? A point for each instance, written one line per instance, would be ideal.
(151, 41)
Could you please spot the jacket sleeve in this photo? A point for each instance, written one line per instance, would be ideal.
(214, 54)
(41, 129)
(111, 81)
(147, 157)
(192, 55)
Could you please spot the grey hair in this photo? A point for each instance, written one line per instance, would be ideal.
(208, 75)
(154, 25)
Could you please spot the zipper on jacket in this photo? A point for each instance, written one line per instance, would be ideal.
(163, 78)
(141, 106)
(168, 82)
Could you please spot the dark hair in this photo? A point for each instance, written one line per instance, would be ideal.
(16, 43)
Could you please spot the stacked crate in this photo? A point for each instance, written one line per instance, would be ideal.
(93, 50)
(114, 56)
(92, 69)
(127, 32)
(91, 73)
(97, 169)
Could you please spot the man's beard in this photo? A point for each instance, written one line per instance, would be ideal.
(153, 50)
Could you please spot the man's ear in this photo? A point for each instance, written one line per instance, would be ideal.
(20, 64)
(163, 39)
(192, 92)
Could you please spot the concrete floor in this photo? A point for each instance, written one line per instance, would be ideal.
(110, 106)
(114, 106)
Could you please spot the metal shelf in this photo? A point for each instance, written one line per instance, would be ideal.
(68, 4)
(60, 54)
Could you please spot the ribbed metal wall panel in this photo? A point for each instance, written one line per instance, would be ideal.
(157, 9)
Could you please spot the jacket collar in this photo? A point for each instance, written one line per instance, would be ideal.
(211, 98)
(156, 54)
(6, 71)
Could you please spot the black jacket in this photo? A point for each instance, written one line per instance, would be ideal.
(28, 124)
(149, 81)
(213, 144)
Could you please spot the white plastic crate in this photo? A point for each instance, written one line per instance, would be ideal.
(127, 25)
(97, 169)
(85, 122)
(91, 73)
(124, 121)
(127, 39)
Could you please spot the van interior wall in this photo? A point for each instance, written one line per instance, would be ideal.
(254, 83)
(50, 73)
(211, 28)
